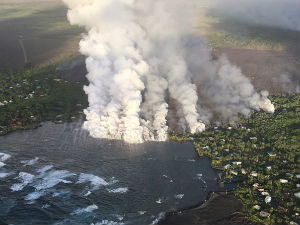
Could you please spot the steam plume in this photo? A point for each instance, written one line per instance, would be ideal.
(138, 58)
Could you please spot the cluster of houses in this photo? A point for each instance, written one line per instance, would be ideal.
(241, 161)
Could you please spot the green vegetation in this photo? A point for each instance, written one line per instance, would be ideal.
(262, 155)
(30, 96)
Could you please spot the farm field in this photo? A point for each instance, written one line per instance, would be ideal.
(35, 33)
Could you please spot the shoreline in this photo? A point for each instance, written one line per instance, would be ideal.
(219, 208)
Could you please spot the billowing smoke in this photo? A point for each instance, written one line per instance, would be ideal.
(143, 54)
(276, 13)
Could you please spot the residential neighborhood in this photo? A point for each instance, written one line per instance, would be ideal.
(30, 96)
(260, 155)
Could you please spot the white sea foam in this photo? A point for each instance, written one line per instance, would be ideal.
(30, 162)
(87, 193)
(4, 156)
(191, 160)
(159, 201)
(141, 212)
(119, 217)
(118, 190)
(88, 209)
(2, 164)
(34, 195)
(4, 175)
(46, 206)
(179, 196)
(95, 181)
(44, 169)
(108, 222)
(113, 180)
(60, 193)
(160, 216)
(26, 178)
(53, 178)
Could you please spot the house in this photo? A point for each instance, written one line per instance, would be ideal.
(283, 181)
(255, 185)
(269, 167)
(227, 166)
(1, 104)
(253, 138)
(254, 174)
(264, 214)
(298, 176)
(233, 172)
(243, 171)
(211, 139)
(237, 163)
(265, 193)
(297, 194)
(271, 154)
(257, 207)
(268, 199)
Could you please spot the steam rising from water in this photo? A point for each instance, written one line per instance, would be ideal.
(139, 58)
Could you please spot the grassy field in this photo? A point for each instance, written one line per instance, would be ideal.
(222, 31)
(37, 31)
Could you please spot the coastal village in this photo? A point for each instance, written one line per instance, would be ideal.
(31, 96)
(260, 155)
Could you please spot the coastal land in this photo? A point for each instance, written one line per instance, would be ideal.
(260, 154)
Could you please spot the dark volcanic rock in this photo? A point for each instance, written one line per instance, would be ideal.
(220, 209)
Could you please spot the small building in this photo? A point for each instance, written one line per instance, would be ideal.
(227, 166)
(257, 207)
(297, 194)
(268, 199)
(254, 174)
(264, 214)
(271, 154)
(233, 172)
(237, 163)
(265, 193)
(243, 171)
(283, 181)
